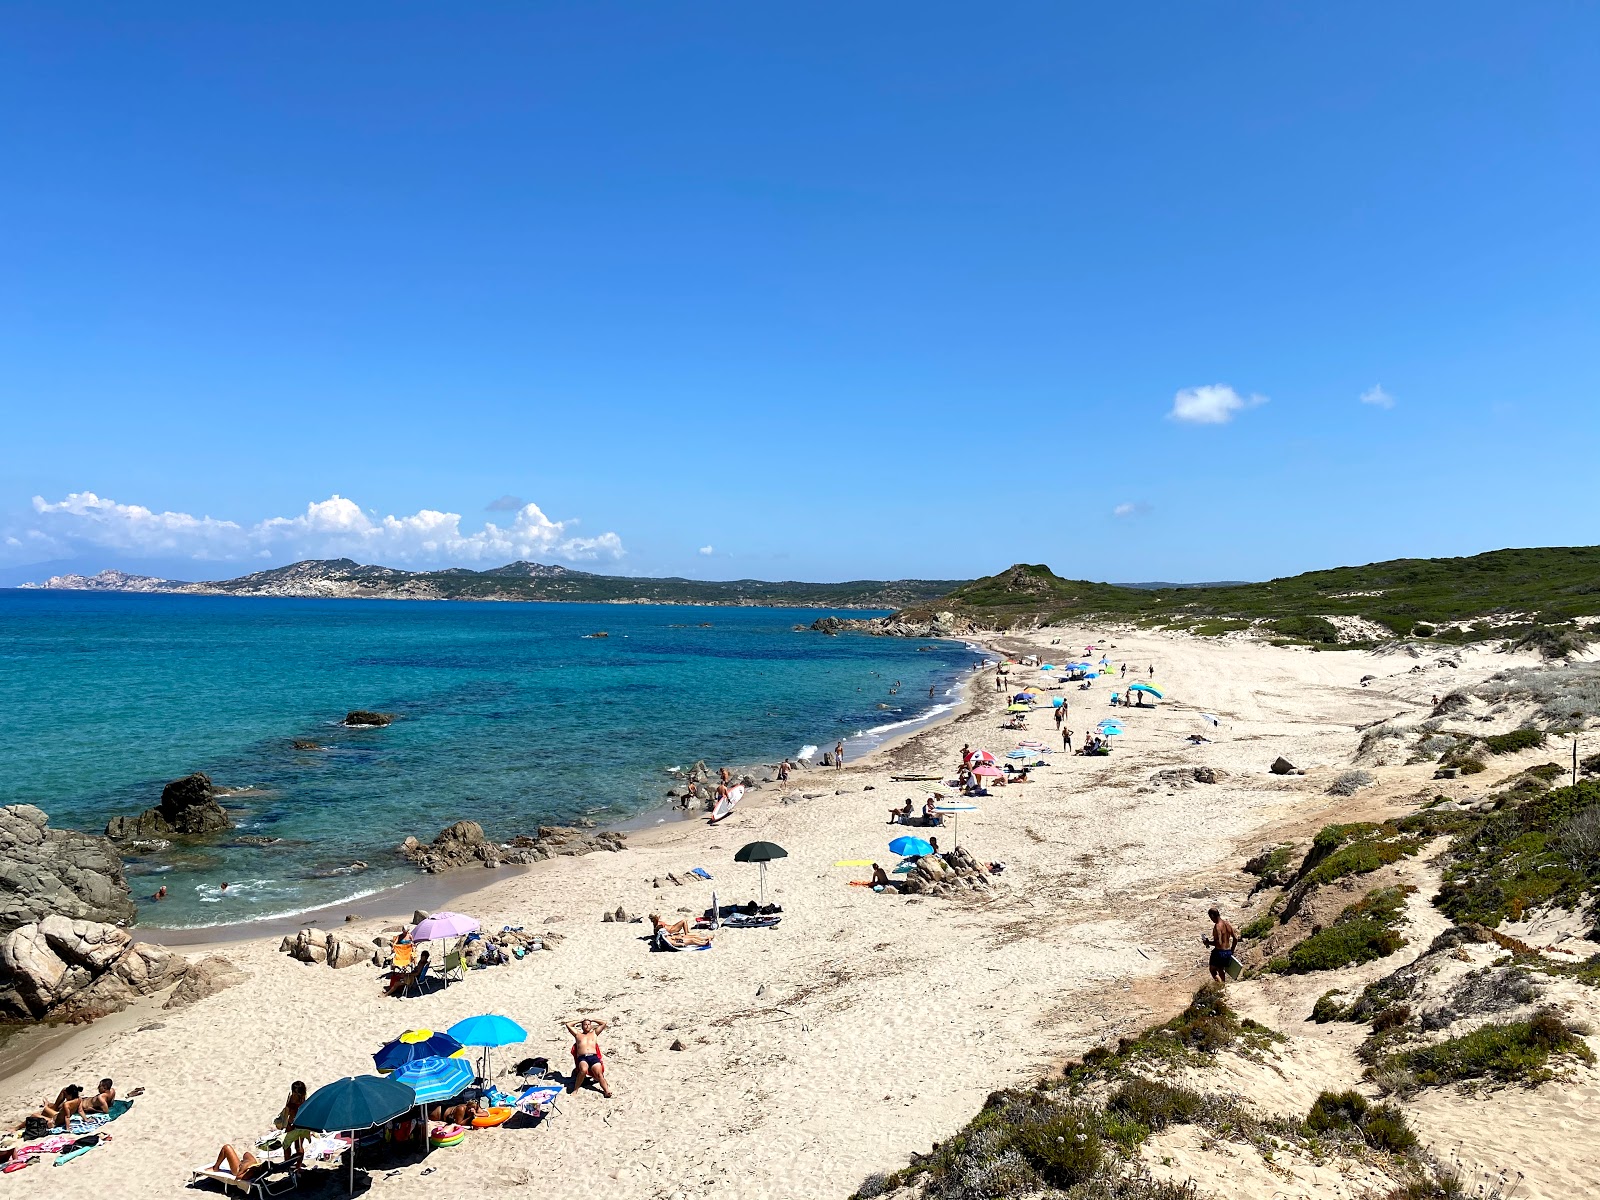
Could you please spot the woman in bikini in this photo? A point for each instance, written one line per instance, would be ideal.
(588, 1060)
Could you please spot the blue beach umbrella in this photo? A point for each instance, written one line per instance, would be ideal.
(435, 1078)
(1056, 701)
(490, 1029)
(414, 1044)
(1146, 689)
(910, 847)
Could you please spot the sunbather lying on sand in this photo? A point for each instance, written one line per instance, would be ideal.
(588, 1060)
(678, 933)
(457, 1112)
(248, 1165)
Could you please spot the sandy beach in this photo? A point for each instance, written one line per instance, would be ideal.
(865, 1027)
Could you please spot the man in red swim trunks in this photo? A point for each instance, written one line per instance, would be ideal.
(588, 1061)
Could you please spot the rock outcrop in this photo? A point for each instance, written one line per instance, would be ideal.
(943, 624)
(464, 845)
(46, 872)
(361, 716)
(78, 970)
(204, 979)
(188, 808)
(337, 948)
(946, 875)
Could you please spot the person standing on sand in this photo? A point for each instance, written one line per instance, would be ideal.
(1059, 715)
(1066, 739)
(1152, 670)
(838, 754)
(588, 1060)
(1124, 670)
(1224, 938)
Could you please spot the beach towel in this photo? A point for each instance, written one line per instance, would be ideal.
(701, 873)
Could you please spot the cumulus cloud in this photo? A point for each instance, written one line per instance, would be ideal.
(331, 528)
(1130, 508)
(1377, 397)
(504, 504)
(1212, 404)
(707, 550)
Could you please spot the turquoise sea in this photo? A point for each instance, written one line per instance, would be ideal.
(508, 714)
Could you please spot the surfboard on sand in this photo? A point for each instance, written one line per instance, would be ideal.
(727, 804)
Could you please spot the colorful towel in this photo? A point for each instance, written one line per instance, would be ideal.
(701, 873)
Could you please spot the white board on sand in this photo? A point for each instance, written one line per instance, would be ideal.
(728, 803)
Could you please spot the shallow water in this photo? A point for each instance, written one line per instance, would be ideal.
(506, 713)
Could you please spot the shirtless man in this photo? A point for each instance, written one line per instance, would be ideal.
(1224, 937)
(588, 1060)
(838, 754)
(901, 814)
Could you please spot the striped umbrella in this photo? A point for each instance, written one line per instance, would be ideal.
(435, 1078)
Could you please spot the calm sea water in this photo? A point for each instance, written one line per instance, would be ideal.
(508, 714)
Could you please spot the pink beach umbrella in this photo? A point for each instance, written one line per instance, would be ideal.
(987, 772)
(444, 925)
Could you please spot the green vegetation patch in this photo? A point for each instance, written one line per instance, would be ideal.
(1510, 1052)
(1381, 1126)
(1542, 848)
(1357, 848)
(1364, 931)
(1510, 743)
(1206, 1026)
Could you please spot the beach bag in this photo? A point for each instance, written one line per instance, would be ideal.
(35, 1127)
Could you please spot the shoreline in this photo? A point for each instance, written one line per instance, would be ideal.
(648, 827)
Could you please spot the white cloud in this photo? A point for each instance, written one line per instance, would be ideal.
(331, 528)
(1377, 397)
(1131, 508)
(707, 550)
(1213, 404)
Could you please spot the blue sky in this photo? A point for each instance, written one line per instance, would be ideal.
(809, 291)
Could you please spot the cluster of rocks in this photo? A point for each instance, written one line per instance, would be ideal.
(358, 717)
(46, 872)
(65, 970)
(949, 874)
(904, 624)
(464, 845)
(339, 948)
(188, 808)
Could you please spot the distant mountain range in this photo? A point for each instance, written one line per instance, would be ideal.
(344, 578)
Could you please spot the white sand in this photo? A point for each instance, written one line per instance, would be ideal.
(865, 1027)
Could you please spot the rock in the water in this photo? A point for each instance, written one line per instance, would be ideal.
(203, 979)
(46, 872)
(306, 744)
(361, 716)
(464, 845)
(188, 808)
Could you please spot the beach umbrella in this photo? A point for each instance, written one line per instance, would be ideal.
(487, 1031)
(444, 925)
(763, 853)
(910, 847)
(987, 771)
(1056, 701)
(435, 1078)
(1146, 689)
(414, 1044)
(953, 809)
(1212, 718)
(354, 1102)
(905, 867)
(1019, 708)
(1109, 723)
(980, 757)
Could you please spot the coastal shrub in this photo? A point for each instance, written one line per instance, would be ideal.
(1470, 766)
(1392, 1017)
(1307, 629)
(1351, 782)
(1423, 629)
(1512, 1051)
(1327, 1008)
(1364, 931)
(1519, 858)
(1381, 1126)
(1579, 839)
(1517, 739)
(1155, 1104)
(1200, 1030)
(1272, 866)
(1553, 642)
(1362, 858)
(1260, 926)
(1547, 772)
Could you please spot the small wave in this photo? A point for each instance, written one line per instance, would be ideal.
(806, 752)
(283, 914)
(921, 717)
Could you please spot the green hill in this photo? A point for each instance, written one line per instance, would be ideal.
(1529, 595)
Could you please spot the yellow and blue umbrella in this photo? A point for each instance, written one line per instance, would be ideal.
(412, 1045)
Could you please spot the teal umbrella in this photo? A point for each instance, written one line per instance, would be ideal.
(488, 1030)
(351, 1103)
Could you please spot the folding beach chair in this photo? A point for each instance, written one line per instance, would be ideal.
(415, 987)
(455, 967)
(540, 1100)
